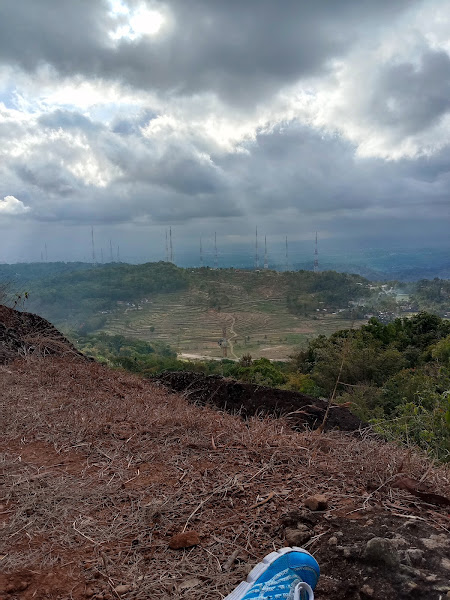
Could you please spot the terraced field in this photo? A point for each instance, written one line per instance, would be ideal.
(256, 321)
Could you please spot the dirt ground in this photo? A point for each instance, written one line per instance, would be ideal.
(248, 400)
(101, 468)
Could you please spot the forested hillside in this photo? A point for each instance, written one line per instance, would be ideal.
(188, 308)
(72, 297)
(432, 295)
(308, 291)
(24, 273)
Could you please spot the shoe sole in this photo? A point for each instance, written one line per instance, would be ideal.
(261, 568)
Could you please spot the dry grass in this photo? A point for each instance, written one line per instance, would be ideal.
(101, 468)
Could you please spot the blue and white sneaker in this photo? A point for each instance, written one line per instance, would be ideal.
(289, 574)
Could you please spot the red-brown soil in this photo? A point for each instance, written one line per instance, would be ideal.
(102, 468)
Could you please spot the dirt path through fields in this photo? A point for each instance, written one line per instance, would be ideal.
(234, 335)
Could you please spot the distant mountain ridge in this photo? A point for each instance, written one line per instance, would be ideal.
(374, 264)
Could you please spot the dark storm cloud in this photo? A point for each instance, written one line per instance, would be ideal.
(177, 155)
(408, 98)
(188, 175)
(46, 177)
(179, 166)
(291, 168)
(64, 34)
(131, 204)
(297, 167)
(241, 50)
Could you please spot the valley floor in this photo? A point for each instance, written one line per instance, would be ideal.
(262, 327)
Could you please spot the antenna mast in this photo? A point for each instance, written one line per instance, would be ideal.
(167, 248)
(94, 261)
(256, 250)
(118, 253)
(111, 251)
(46, 254)
(170, 245)
(266, 262)
(287, 260)
(201, 252)
(316, 258)
(215, 250)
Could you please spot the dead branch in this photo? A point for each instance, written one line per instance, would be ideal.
(261, 502)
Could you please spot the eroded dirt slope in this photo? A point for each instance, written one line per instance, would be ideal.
(23, 334)
(101, 469)
(248, 400)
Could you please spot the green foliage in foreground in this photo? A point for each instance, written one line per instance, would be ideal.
(396, 376)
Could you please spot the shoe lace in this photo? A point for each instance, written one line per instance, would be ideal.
(302, 585)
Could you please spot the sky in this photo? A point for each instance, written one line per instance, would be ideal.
(133, 116)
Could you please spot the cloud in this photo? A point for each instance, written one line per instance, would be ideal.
(11, 206)
(92, 173)
(241, 54)
(389, 94)
(410, 98)
(397, 107)
(321, 176)
(67, 120)
(293, 115)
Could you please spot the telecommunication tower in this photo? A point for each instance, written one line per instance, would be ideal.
(167, 248)
(256, 250)
(266, 262)
(215, 251)
(316, 257)
(287, 256)
(94, 261)
(111, 258)
(46, 254)
(170, 245)
(201, 252)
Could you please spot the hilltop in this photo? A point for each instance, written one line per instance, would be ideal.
(102, 468)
